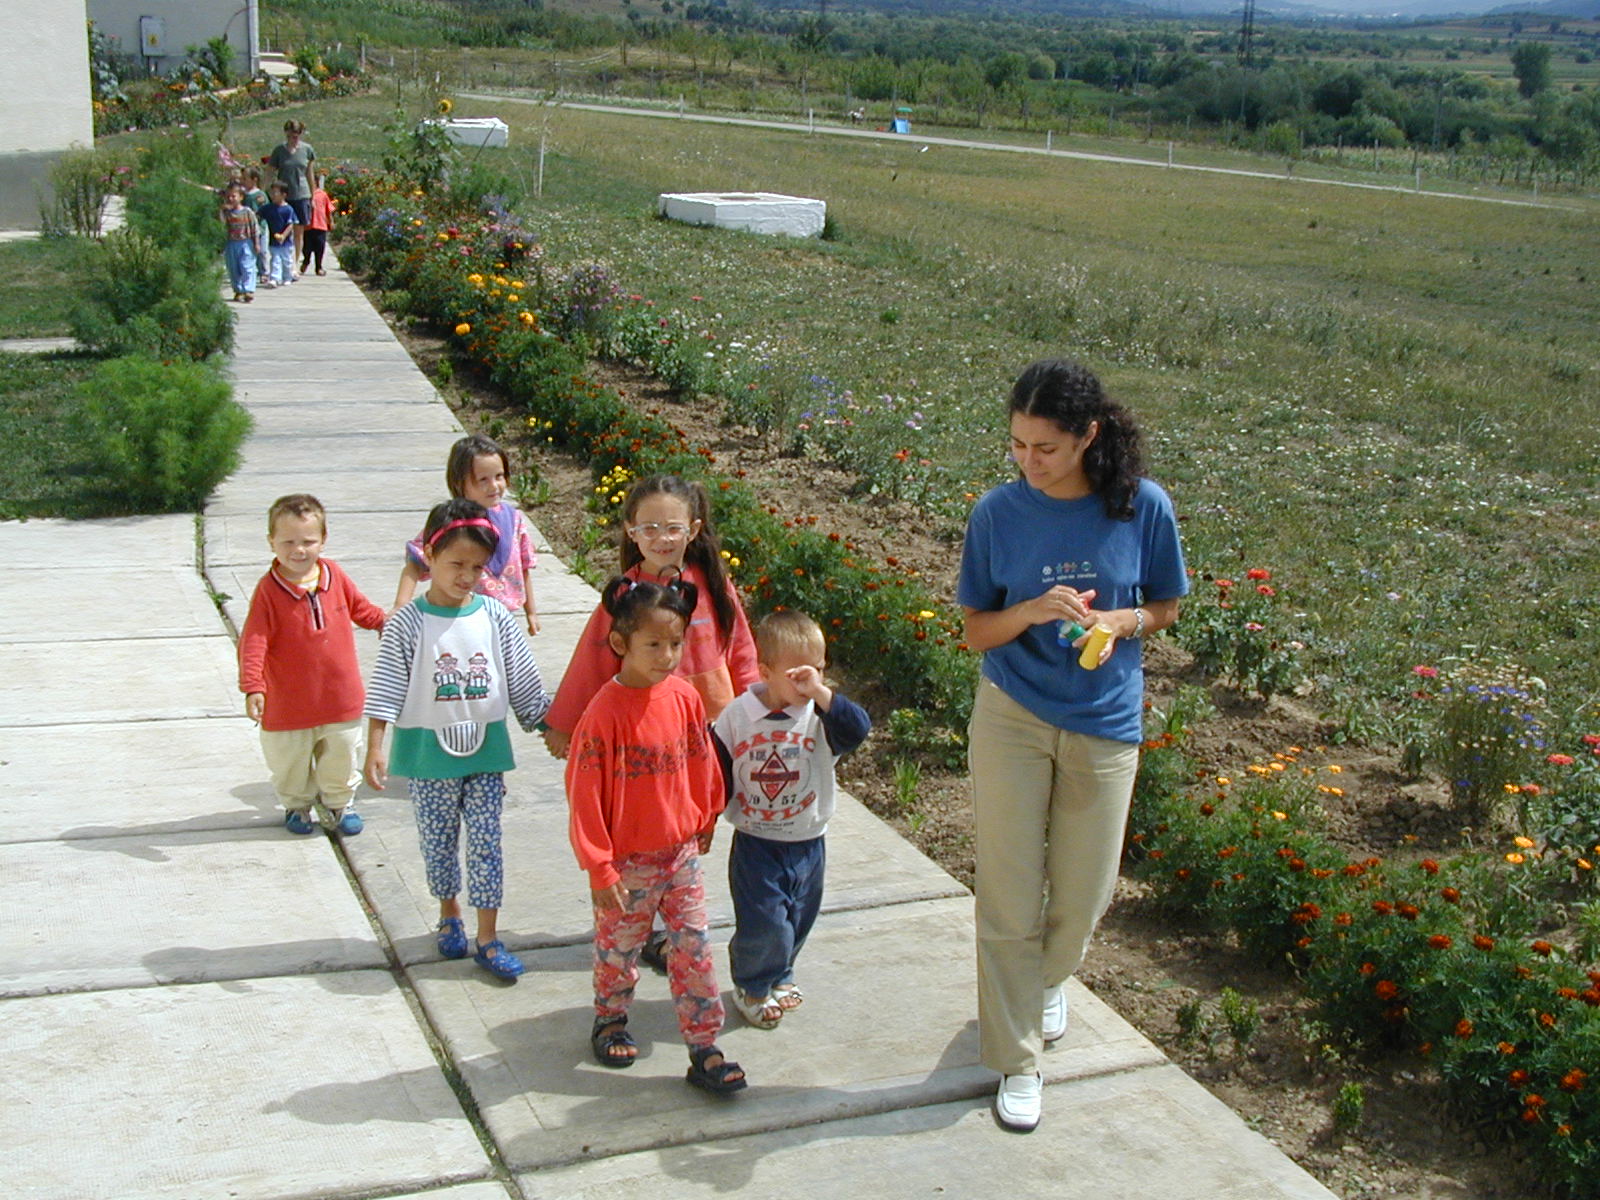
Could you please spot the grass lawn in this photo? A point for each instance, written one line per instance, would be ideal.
(1386, 399)
(44, 472)
(39, 291)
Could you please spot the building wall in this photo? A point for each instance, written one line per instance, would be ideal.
(186, 22)
(44, 93)
(44, 88)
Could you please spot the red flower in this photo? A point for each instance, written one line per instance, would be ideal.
(1591, 739)
(1517, 1078)
(1343, 919)
(1266, 589)
(1464, 1028)
(1425, 672)
(1440, 941)
(1542, 947)
(1559, 760)
(1450, 895)
(1507, 1047)
(1382, 907)
(1548, 1020)
(1224, 584)
(1428, 865)
(1367, 968)
(1258, 573)
(1386, 989)
(1409, 911)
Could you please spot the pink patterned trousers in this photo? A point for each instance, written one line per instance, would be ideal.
(666, 881)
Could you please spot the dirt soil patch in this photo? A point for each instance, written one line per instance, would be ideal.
(1156, 971)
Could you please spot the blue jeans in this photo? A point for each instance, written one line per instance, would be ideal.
(777, 893)
(241, 260)
(280, 262)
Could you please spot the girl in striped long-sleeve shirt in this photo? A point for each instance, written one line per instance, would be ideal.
(450, 668)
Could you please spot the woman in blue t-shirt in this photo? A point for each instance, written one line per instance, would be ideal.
(1081, 538)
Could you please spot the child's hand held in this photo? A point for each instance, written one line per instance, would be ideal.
(376, 769)
(255, 704)
(611, 899)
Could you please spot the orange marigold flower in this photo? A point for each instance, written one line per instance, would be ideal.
(1573, 1080)
(1367, 968)
(1451, 895)
(1482, 942)
(1464, 1028)
(463, 329)
(1382, 907)
(1409, 911)
(1563, 1130)
(1522, 972)
(1530, 1116)
(1207, 809)
(1258, 573)
(1386, 989)
(1567, 993)
(1548, 1020)
(1428, 865)
(1440, 941)
(1507, 1047)
(1517, 1078)
(1542, 947)
(1516, 860)
(1343, 919)
(1534, 1100)
(1524, 843)
(1590, 996)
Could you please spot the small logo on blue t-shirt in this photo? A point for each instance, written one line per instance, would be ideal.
(1054, 573)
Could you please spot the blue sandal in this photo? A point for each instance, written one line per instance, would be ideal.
(452, 940)
(498, 961)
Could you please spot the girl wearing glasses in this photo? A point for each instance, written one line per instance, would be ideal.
(668, 536)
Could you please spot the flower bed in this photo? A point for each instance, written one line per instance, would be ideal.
(529, 324)
(1449, 957)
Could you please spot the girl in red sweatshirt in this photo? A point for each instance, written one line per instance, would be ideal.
(644, 789)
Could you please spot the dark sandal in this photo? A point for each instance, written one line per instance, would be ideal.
(653, 953)
(609, 1033)
(714, 1079)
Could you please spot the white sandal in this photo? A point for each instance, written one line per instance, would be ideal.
(763, 1012)
(788, 996)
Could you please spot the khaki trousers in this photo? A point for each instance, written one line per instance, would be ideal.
(324, 759)
(1050, 810)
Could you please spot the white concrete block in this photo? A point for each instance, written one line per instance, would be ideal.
(160, 907)
(302, 1087)
(752, 212)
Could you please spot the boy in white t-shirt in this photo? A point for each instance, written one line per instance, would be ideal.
(778, 743)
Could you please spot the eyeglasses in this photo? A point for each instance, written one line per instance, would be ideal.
(652, 531)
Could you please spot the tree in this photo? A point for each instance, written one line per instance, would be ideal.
(1530, 62)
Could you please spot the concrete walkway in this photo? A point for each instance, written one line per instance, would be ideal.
(199, 1004)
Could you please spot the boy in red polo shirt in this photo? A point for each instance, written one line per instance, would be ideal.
(298, 669)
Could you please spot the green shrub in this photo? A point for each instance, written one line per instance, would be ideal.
(164, 433)
(140, 298)
(79, 184)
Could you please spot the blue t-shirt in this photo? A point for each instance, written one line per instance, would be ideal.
(1021, 543)
(278, 218)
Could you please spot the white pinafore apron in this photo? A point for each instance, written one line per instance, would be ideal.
(459, 687)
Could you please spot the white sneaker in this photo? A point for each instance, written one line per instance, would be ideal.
(1055, 1013)
(1019, 1101)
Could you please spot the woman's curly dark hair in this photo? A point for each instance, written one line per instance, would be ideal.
(1068, 394)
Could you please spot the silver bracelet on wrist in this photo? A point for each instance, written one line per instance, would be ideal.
(1138, 621)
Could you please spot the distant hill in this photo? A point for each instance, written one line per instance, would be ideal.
(1585, 10)
(1288, 9)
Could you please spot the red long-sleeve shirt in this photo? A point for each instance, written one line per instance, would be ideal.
(718, 668)
(298, 648)
(641, 775)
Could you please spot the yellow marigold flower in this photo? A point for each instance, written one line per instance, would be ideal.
(475, 279)
(525, 317)
(1279, 816)
(463, 329)
(927, 615)
(733, 562)
(1335, 768)
(1525, 843)
(1223, 781)
(1277, 766)
(1586, 864)
(1515, 859)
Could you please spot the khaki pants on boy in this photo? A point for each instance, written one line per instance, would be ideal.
(1050, 809)
(324, 759)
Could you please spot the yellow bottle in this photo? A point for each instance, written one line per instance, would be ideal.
(1098, 637)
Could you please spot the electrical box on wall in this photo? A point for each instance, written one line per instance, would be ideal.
(152, 37)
